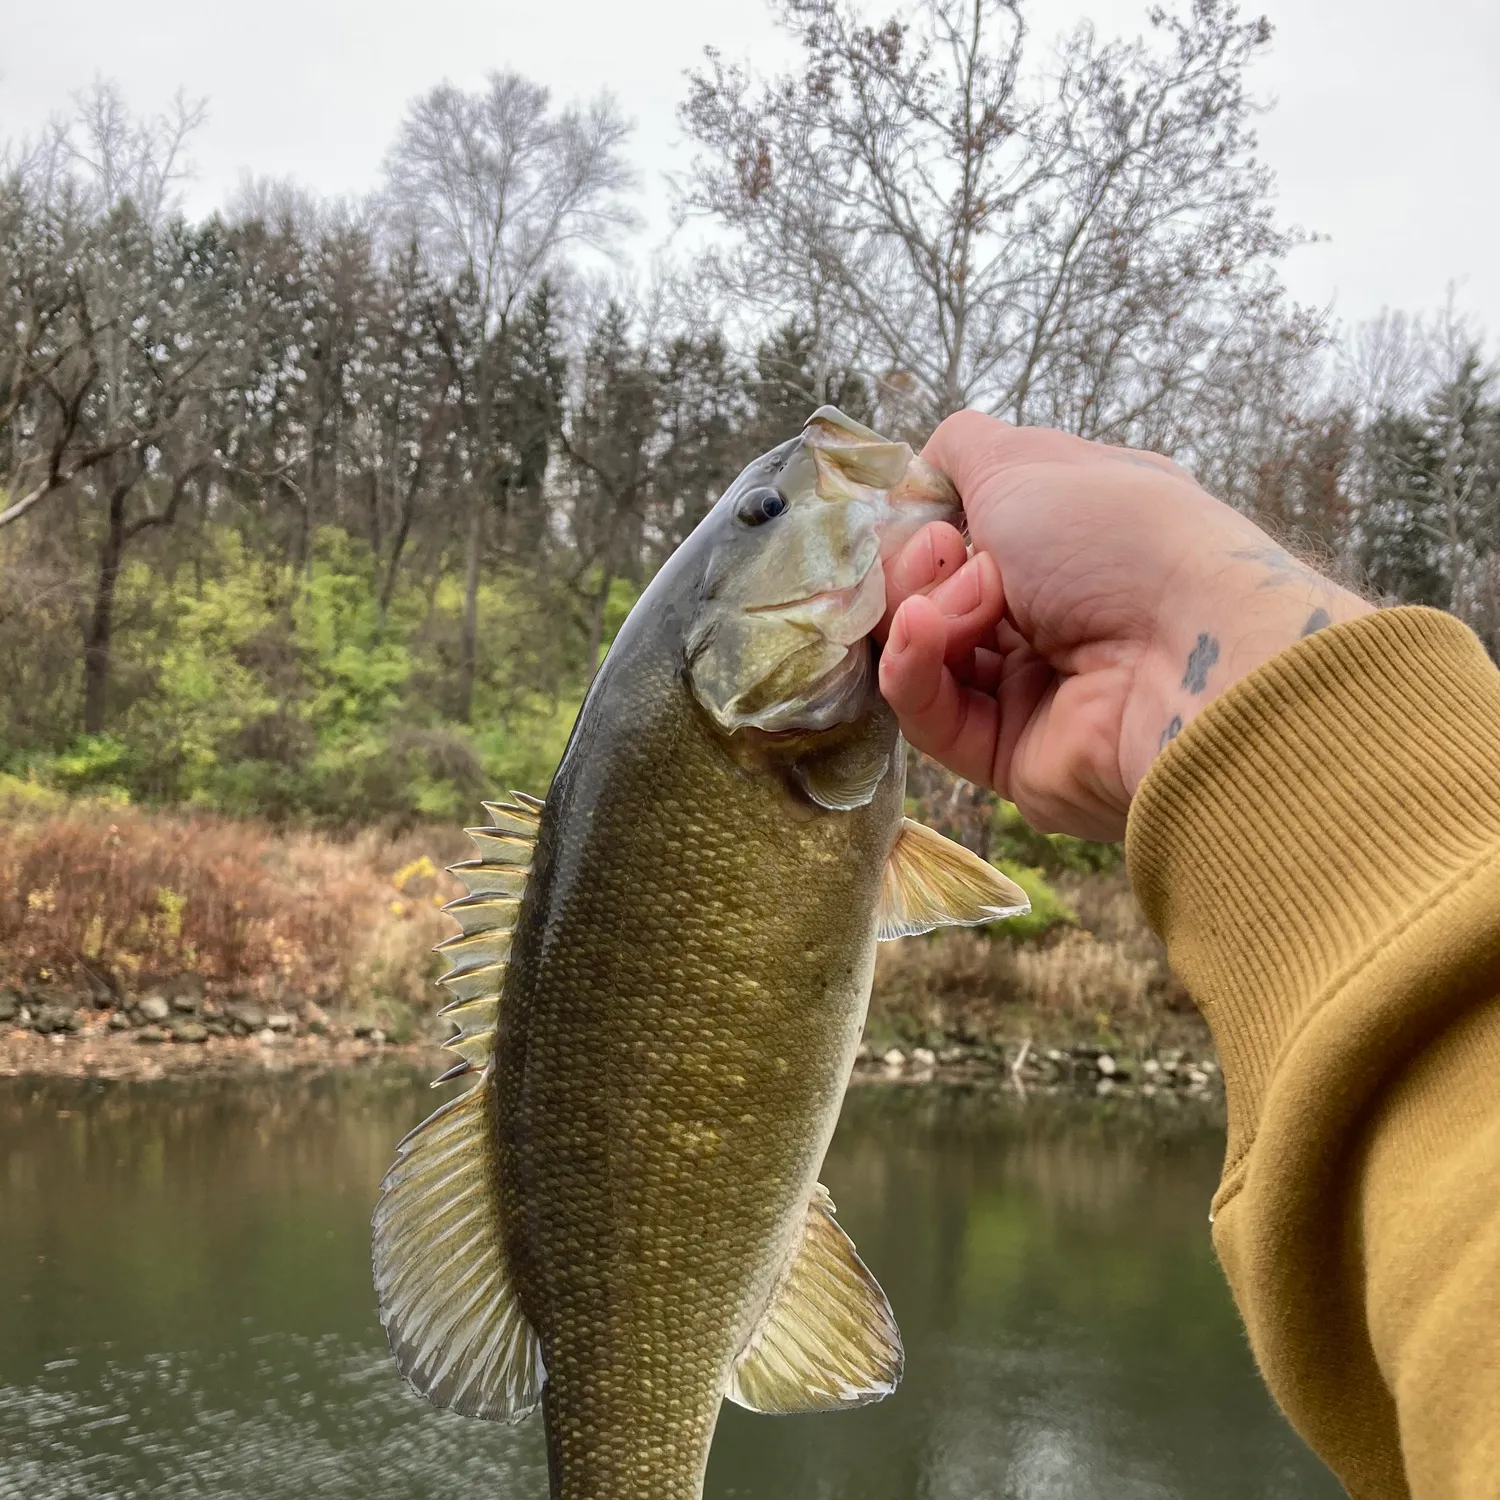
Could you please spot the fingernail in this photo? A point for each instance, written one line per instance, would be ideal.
(959, 595)
(915, 567)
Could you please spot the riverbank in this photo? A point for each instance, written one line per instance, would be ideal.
(96, 1051)
(136, 944)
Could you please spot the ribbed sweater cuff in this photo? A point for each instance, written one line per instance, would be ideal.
(1315, 805)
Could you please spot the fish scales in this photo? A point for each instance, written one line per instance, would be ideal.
(689, 984)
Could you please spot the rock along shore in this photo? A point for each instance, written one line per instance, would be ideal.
(1082, 1068)
(171, 1026)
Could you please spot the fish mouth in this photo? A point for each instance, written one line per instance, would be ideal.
(843, 616)
(836, 697)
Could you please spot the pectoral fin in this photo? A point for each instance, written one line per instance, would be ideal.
(828, 1338)
(932, 882)
(846, 777)
(447, 1303)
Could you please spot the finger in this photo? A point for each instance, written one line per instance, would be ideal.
(972, 603)
(1008, 638)
(935, 553)
(938, 714)
(985, 674)
(1026, 683)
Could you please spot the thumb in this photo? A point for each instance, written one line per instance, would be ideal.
(970, 448)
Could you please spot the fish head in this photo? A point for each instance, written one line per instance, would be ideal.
(794, 583)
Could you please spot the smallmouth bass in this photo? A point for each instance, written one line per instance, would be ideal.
(660, 983)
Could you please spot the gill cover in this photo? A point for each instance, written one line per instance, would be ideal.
(794, 584)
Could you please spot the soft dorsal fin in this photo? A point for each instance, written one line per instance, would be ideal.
(480, 951)
(446, 1299)
(828, 1338)
(932, 882)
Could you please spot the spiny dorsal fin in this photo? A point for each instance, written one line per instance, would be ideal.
(519, 816)
(930, 881)
(828, 1339)
(446, 1299)
(484, 913)
(479, 953)
(476, 950)
(481, 879)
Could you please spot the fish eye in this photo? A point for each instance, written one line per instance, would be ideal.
(760, 506)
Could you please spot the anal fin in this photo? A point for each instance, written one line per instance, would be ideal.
(930, 881)
(828, 1339)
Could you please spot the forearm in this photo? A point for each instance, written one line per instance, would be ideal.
(1321, 851)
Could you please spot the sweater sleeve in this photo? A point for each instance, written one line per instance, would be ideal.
(1320, 850)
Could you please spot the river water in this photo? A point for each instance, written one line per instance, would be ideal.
(185, 1307)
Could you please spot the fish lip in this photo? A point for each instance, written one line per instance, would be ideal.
(845, 595)
(842, 616)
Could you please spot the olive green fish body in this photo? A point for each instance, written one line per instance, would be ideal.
(685, 996)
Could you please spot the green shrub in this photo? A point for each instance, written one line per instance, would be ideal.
(249, 687)
(1051, 852)
(1048, 910)
(25, 796)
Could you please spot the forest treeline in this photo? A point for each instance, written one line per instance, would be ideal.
(327, 511)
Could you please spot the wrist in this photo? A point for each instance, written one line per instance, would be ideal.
(1198, 658)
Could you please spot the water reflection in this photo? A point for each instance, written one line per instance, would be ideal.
(185, 1307)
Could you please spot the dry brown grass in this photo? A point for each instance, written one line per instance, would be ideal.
(123, 895)
(1107, 976)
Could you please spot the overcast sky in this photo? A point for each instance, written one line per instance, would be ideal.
(1385, 135)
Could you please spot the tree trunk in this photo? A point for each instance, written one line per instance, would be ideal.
(408, 497)
(304, 543)
(468, 662)
(377, 540)
(484, 387)
(98, 634)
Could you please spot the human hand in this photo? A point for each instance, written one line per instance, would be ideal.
(1107, 601)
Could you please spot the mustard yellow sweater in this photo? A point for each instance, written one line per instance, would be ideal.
(1320, 850)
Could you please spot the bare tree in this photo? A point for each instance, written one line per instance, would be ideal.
(1384, 363)
(495, 186)
(1254, 421)
(114, 349)
(1077, 245)
(47, 356)
(92, 186)
(123, 157)
(63, 401)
